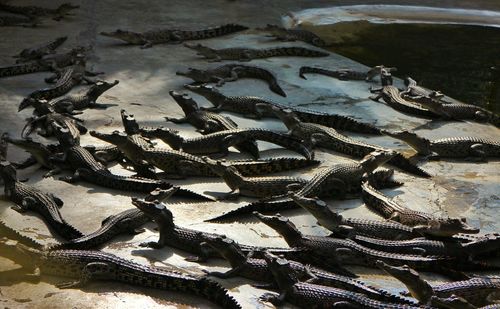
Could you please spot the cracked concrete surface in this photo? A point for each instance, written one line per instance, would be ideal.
(146, 76)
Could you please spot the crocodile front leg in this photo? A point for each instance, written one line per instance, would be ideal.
(176, 120)
(89, 271)
(25, 205)
(274, 299)
(478, 152)
(226, 275)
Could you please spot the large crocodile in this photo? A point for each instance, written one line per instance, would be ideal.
(392, 97)
(37, 11)
(338, 181)
(232, 72)
(421, 222)
(248, 54)
(474, 290)
(345, 74)
(27, 198)
(256, 107)
(148, 38)
(329, 138)
(88, 265)
(219, 142)
(451, 147)
(308, 295)
(291, 35)
(38, 51)
(256, 269)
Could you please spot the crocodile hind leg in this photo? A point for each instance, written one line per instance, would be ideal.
(274, 299)
(89, 271)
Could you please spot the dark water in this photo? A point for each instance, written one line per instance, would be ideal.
(461, 61)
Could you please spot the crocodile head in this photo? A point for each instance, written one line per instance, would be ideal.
(420, 144)
(446, 227)
(283, 273)
(127, 36)
(8, 172)
(37, 150)
(160, 194)
(129, 123)
(376, 158)
(23, 255)
(26, 102)
(228, 248)
(99, 88)
(155, 210)
(202, 50)
(203, 89)
(64, 136)
(185, 101)
(116, 138)
(197, 75)
(286, 115)
(168, 136)
(319, 209)
(418, 287)
(64, 9)
(282, 225)
(217, 166)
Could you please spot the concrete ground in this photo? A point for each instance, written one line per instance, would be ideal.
(146, 76)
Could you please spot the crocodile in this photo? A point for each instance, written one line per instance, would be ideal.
(309, 295)
(232, 72)
(291, 35)
(148, 38)
(414, 90)
(248, 54)
(27, 198)
(39, 153)
(392, 97)
(74, 102)
(256, 107)
(85, 167)
(451, 147)
(10, 233)
(474, 290)
(10, 20)
(46, 125)
(345, 74)
(38, 51)
(422, 222)
(246, 266)
(219, 142)
(329, 138)
(36, 11)
(88, 265)
(341, 226)
(207, 122)
(338, 181)
(262, 187)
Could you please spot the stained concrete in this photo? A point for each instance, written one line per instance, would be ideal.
(146, 76)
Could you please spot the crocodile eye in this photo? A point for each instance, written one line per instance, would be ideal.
(463, 219)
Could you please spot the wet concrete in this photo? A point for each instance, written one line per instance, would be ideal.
(146, 76)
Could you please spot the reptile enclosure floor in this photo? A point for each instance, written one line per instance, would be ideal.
(146, 76)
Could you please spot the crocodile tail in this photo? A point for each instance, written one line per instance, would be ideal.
(275, 165)
(260, 73)
(260, 206)
(20, 69)
(374, 201)
(338, 122)
(216, 293)
(66, 230)
(10, 233)
(287, 142)
(213, 32)
(297, 51)
(403, 163)
(193, 195)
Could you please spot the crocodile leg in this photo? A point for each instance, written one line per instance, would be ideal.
(478, 151)
(226, 275)
(89, 271)
(176, 120)
(274, 299)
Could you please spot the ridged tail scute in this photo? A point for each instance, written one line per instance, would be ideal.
(296, 51)
(403, 163)
(274, 165)
(214, 32)
(338, 122)
(66, 230)
(260, 206)
(193, 195)
(6, 231)
(216, 293)
(19, 70)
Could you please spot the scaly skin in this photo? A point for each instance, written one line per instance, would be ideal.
(219, 142)
(475, 290)
(414, 90)
(283, 34)
(257, 107)
(40, 153)
(47, 124)
(36, 11)
(88, 265)
(392, 97)
(307, 295)
(345, 74)
(263, 187)
(29, 198)
(329, 138)
(248, 54)
(37, 52)
(257, 269)
(451, 147)
(4, 145)
(232, 72)
(422, 222)
(7, 21)
(148, 38)
(10, 233)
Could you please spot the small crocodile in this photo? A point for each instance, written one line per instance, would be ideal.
(257, 107)
(148, 38)
(248, 54)
(38, 51)
(451, 147)
(74, 102)
(89, 265)
(291, 35)
(474, 290)
(263, 187)
(219, 142)
(308, 295)
(338, 181)
(27, 198)
(36, 11)
(329, 138)
(256, 269)
(39, 153)
(345, 74)
(392, 97)
(421, 222)
(232, 72)
(414, 90)
(341, 226)
(47, 124)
